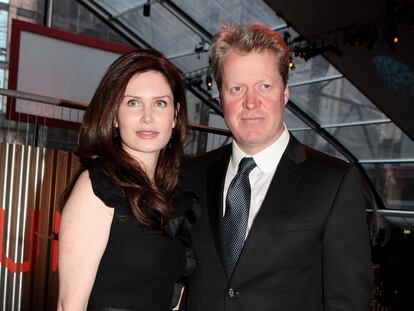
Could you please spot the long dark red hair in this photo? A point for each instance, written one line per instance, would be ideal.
(99, 144)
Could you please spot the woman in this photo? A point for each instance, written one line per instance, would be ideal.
(118, 245)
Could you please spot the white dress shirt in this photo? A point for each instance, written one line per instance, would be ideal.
(260, 177)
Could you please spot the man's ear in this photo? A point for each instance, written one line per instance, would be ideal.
(286, 95)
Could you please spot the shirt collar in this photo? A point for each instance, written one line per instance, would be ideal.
(267, 159)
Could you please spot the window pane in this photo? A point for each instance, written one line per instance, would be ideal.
(335, 102)
(376, 141)
(211, 14)
(312, 139)
(394, 183)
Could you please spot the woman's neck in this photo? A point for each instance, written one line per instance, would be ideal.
(148, 163)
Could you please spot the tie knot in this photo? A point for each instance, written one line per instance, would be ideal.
(246, 165)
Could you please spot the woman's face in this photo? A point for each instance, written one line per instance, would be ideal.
(146, 115)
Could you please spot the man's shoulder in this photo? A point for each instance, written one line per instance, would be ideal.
(325, 159)
(321, 160)
(197, 168)
(209, 158)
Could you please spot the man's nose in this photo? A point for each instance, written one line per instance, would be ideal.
(252, 100)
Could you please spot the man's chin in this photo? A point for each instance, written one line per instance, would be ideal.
(251, 146)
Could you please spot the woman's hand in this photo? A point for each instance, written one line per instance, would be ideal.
(177, 307)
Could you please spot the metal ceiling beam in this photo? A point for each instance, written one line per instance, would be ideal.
(316, 80)
(130, 10)
(187, 20)
(356, 123)
(184, 54)
(115, 24)
(389, 212)
(387, 161)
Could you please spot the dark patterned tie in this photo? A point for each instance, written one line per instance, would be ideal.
(237, 212)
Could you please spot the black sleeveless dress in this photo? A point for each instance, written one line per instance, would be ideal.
(141, 267)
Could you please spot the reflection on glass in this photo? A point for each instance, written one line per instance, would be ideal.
(162, 30)
(334, 102)
(293, 122)
(211, 14)
(190, 64)
(314, 140)
(394, 183)
(116, 6)
(72, 17)
(314, 68)
(398, 78)
(376, 141)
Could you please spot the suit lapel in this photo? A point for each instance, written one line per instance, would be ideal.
(281, 188)
(215, 184)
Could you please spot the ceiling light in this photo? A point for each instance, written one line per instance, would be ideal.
(147, 9)
(209, 82)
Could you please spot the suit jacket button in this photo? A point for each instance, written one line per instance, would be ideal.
(231, 292)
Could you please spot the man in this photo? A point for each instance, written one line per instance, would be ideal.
(283, 226)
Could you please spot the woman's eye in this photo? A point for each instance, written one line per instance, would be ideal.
(160, 104)
(132, 103)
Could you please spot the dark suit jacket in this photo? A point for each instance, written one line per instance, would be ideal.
(308, 247)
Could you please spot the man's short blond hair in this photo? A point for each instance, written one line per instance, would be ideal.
(245, 39)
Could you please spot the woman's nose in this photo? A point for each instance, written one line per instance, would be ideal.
(147, 116)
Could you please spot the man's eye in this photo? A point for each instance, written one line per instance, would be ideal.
(235, 89)
(160, 104)
(132, 103)
(266, 86)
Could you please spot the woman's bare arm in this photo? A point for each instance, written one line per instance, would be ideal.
(83, 236)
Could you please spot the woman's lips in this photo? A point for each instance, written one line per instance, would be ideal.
(147, 134)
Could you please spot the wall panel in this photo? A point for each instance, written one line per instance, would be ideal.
(31, 182)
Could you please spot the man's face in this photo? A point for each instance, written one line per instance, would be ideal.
(253, 99)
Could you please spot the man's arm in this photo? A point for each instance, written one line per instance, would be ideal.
(346, 266)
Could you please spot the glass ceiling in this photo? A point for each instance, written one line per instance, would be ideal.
(182, 30)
